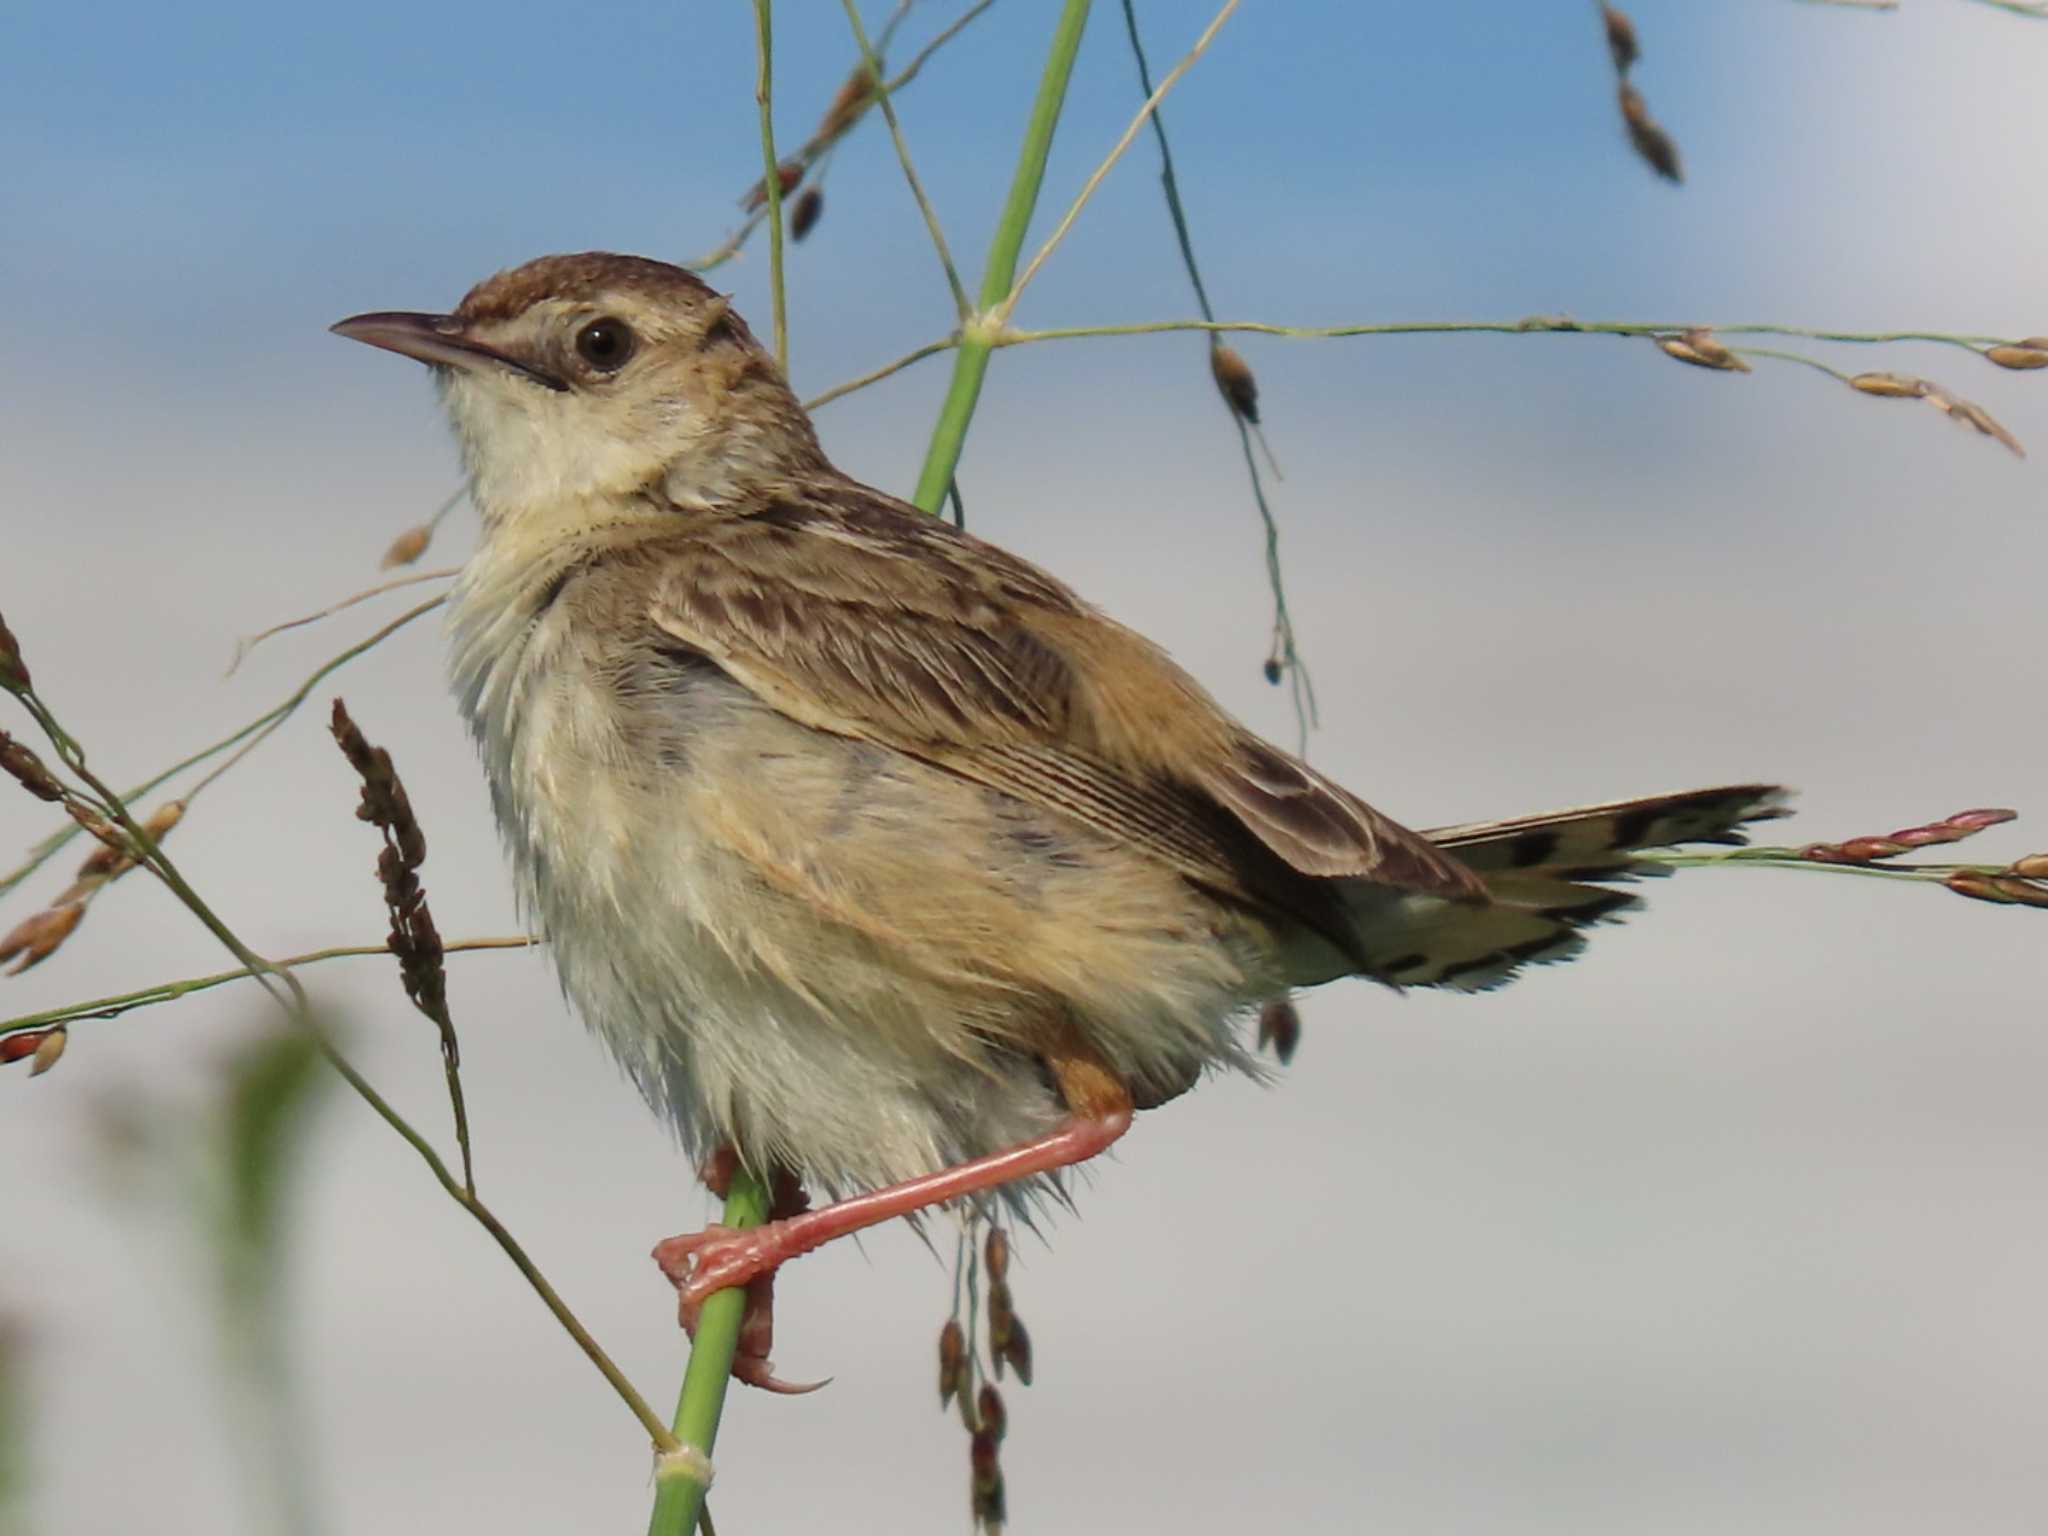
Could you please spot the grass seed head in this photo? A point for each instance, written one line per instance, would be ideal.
(1890, 386)
(407, 547)
(48, 1052)
(39, 935)
(2019, 356)
(1702, 349)
(995, 1418)
(1234, 378)
(22, 764)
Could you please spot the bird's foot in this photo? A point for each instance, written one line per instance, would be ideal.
(701, 1264)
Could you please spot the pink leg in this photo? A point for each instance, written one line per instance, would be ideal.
(719, 1257)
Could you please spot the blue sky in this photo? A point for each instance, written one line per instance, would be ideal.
(1731, 1225)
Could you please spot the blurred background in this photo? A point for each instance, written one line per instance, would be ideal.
(1736, 1225)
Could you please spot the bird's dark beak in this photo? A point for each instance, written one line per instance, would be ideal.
(441, 340)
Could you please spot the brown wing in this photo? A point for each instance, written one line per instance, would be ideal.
(859, 615)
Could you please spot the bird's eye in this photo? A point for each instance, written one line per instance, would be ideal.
(606, 344)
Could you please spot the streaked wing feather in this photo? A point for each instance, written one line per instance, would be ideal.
(855, 614)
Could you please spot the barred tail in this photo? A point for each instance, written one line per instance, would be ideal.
(1549, 876)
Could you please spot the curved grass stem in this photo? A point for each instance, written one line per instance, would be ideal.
(290, 995)
(258, 729)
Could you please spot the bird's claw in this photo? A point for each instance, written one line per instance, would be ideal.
(701, 1264)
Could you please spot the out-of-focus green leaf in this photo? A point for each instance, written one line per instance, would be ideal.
(273, 1086)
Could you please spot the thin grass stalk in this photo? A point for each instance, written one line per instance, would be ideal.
(764, 97)
(683, 1477)
(873, 61)
(290, 995)
(970, 363)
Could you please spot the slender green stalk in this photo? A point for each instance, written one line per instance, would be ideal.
(411, 579)
(1300, 685)
(764, 97)
(817, 148)
(1003, 311)
(1169, 182)
(1529, 325)
(171, 991)
(924, 204)
(875, 376)
(683, 1476)
(1776, 354)
(970, 364)
(1534, 325)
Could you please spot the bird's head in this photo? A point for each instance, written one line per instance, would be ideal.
(584, 381)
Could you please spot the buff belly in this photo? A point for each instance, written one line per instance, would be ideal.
(827, 953)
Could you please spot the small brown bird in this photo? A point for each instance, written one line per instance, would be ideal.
(877, 856)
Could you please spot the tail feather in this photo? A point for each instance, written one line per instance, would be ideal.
(1546, 876)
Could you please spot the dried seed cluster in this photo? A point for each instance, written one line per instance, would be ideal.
(982, 1409)
(413, 938)
(39, 935)
(1703, 349)
(1868, 850)
(2023, 882)
(846, 108)
(1904, 386)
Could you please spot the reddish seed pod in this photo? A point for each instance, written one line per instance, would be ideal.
(1621, 38)
(1650, 140)
(996, 1252)
(986, 1485)
(27, 769)
(2002, 889)
(1280, 1028)
(1966, 822)
(787, 175)
(2033, 866)
(803, 216)
(407, 547)
(1000, 1313)
(13, 670)
(995, 1418)
(36, 937)
(848, 103)
(1017, 1351)
(21, 1046)
(952, 1357)
(1234, 378)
